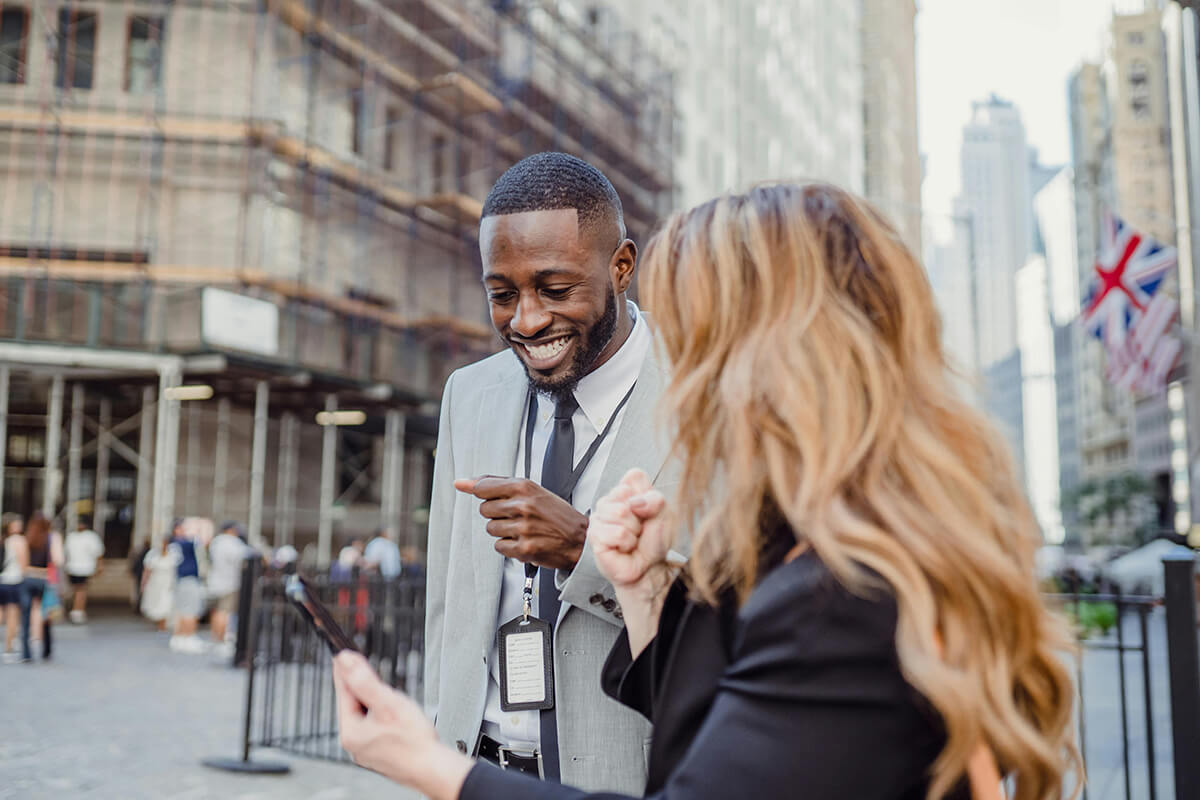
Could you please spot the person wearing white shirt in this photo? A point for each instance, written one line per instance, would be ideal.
(225, 554)
(84, 548)
(529, 438)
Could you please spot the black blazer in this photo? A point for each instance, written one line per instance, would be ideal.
(796, 695)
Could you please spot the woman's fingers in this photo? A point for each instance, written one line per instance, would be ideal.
(361, 684)
(648, 505)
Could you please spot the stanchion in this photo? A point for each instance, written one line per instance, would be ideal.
(1183, 663)
(247, 649)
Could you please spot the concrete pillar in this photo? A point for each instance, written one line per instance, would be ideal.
(166, 442)
(285, 494)
(221, 460)
(192, 480)
(4, 376)
(258, 462)
(74, 457)
(100, 501)
(328, 468)
(53, 475)
(143, 515)
(391, 492)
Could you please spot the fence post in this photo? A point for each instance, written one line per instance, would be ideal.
(248, 613)
(1183, 659)
(251, 569)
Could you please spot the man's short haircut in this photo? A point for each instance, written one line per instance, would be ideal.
(551, 181)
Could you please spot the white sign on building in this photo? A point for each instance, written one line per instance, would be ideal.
(239, 322)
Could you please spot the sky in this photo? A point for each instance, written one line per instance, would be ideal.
(1022, 50)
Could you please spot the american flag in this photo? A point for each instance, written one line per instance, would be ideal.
(1124, 311)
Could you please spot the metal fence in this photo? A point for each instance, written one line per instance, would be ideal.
(1139, 726)
(290, 703)
(1115, 693)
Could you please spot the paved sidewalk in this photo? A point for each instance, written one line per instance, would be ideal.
(116, 715)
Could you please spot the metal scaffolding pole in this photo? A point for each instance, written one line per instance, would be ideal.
(144, 504)
(164, 456)
(285, 495)
(258, 462)
(100, 501)
(4, 375)
(193, 463)
(328, 465)
(391, 495)
(221, 461)
(74, 457)
(53, 475)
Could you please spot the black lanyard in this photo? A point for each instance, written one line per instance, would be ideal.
(576, 473)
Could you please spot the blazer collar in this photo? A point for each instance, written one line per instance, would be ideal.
(502, 407)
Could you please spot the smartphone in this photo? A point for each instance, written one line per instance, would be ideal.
(302, 594)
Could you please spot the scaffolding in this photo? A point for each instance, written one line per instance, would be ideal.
(278, 199)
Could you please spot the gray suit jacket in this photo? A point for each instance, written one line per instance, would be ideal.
(603, 745)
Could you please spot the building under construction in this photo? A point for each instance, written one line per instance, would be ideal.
(221, 217)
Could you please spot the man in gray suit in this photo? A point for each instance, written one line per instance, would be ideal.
(528, 440)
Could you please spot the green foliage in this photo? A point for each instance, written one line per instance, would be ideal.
(1123, 505)
(1091, 618)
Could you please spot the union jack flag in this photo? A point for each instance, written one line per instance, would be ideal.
(1121, 308)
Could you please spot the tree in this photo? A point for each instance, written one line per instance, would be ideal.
(1116, 510)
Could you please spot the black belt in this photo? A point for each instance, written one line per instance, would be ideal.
(507, 758)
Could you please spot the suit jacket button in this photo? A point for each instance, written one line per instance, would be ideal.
(596, 599)
(609, 604)
(618, 614)
(461, 745)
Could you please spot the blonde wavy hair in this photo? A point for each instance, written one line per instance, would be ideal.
(808, 379)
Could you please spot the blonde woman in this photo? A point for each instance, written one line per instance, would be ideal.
(859, 617)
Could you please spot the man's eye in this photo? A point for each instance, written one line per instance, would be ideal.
(556, 294)
(500, 297)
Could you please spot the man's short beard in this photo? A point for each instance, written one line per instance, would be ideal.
(596, 339)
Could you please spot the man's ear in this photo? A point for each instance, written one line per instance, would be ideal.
(622, 264)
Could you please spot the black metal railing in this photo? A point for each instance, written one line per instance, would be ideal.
(1139, 725)
(290, 703)
(1112, 630)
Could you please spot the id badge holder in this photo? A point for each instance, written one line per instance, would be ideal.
(526, 665)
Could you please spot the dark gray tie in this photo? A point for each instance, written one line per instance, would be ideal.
(557, 467)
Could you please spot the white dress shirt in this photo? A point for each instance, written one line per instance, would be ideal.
(598, 394)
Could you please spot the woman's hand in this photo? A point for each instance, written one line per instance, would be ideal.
(629, 538)
(628, 532)
(385, 731)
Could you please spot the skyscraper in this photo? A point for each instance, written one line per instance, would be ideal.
(996, 195)
(893, 163)
(1105, 415)
(766, 91)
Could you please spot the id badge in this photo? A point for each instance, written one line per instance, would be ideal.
(526, 665)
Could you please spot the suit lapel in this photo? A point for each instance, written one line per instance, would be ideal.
(502, 408)
(640, 441)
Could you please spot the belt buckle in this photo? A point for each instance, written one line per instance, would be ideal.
(504, 752)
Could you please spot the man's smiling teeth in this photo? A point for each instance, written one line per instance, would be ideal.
(548, 350)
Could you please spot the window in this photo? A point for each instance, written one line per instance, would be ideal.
(76, 49)
(14, 33)
(1134, 38)
(391, 138)
(143, 55)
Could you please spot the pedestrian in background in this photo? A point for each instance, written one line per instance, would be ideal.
(226, 555)
(39, 601)
(14, 554)
(157, 590)
(382, 554)
(189, 537)
(349, 559)
(83, 550)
